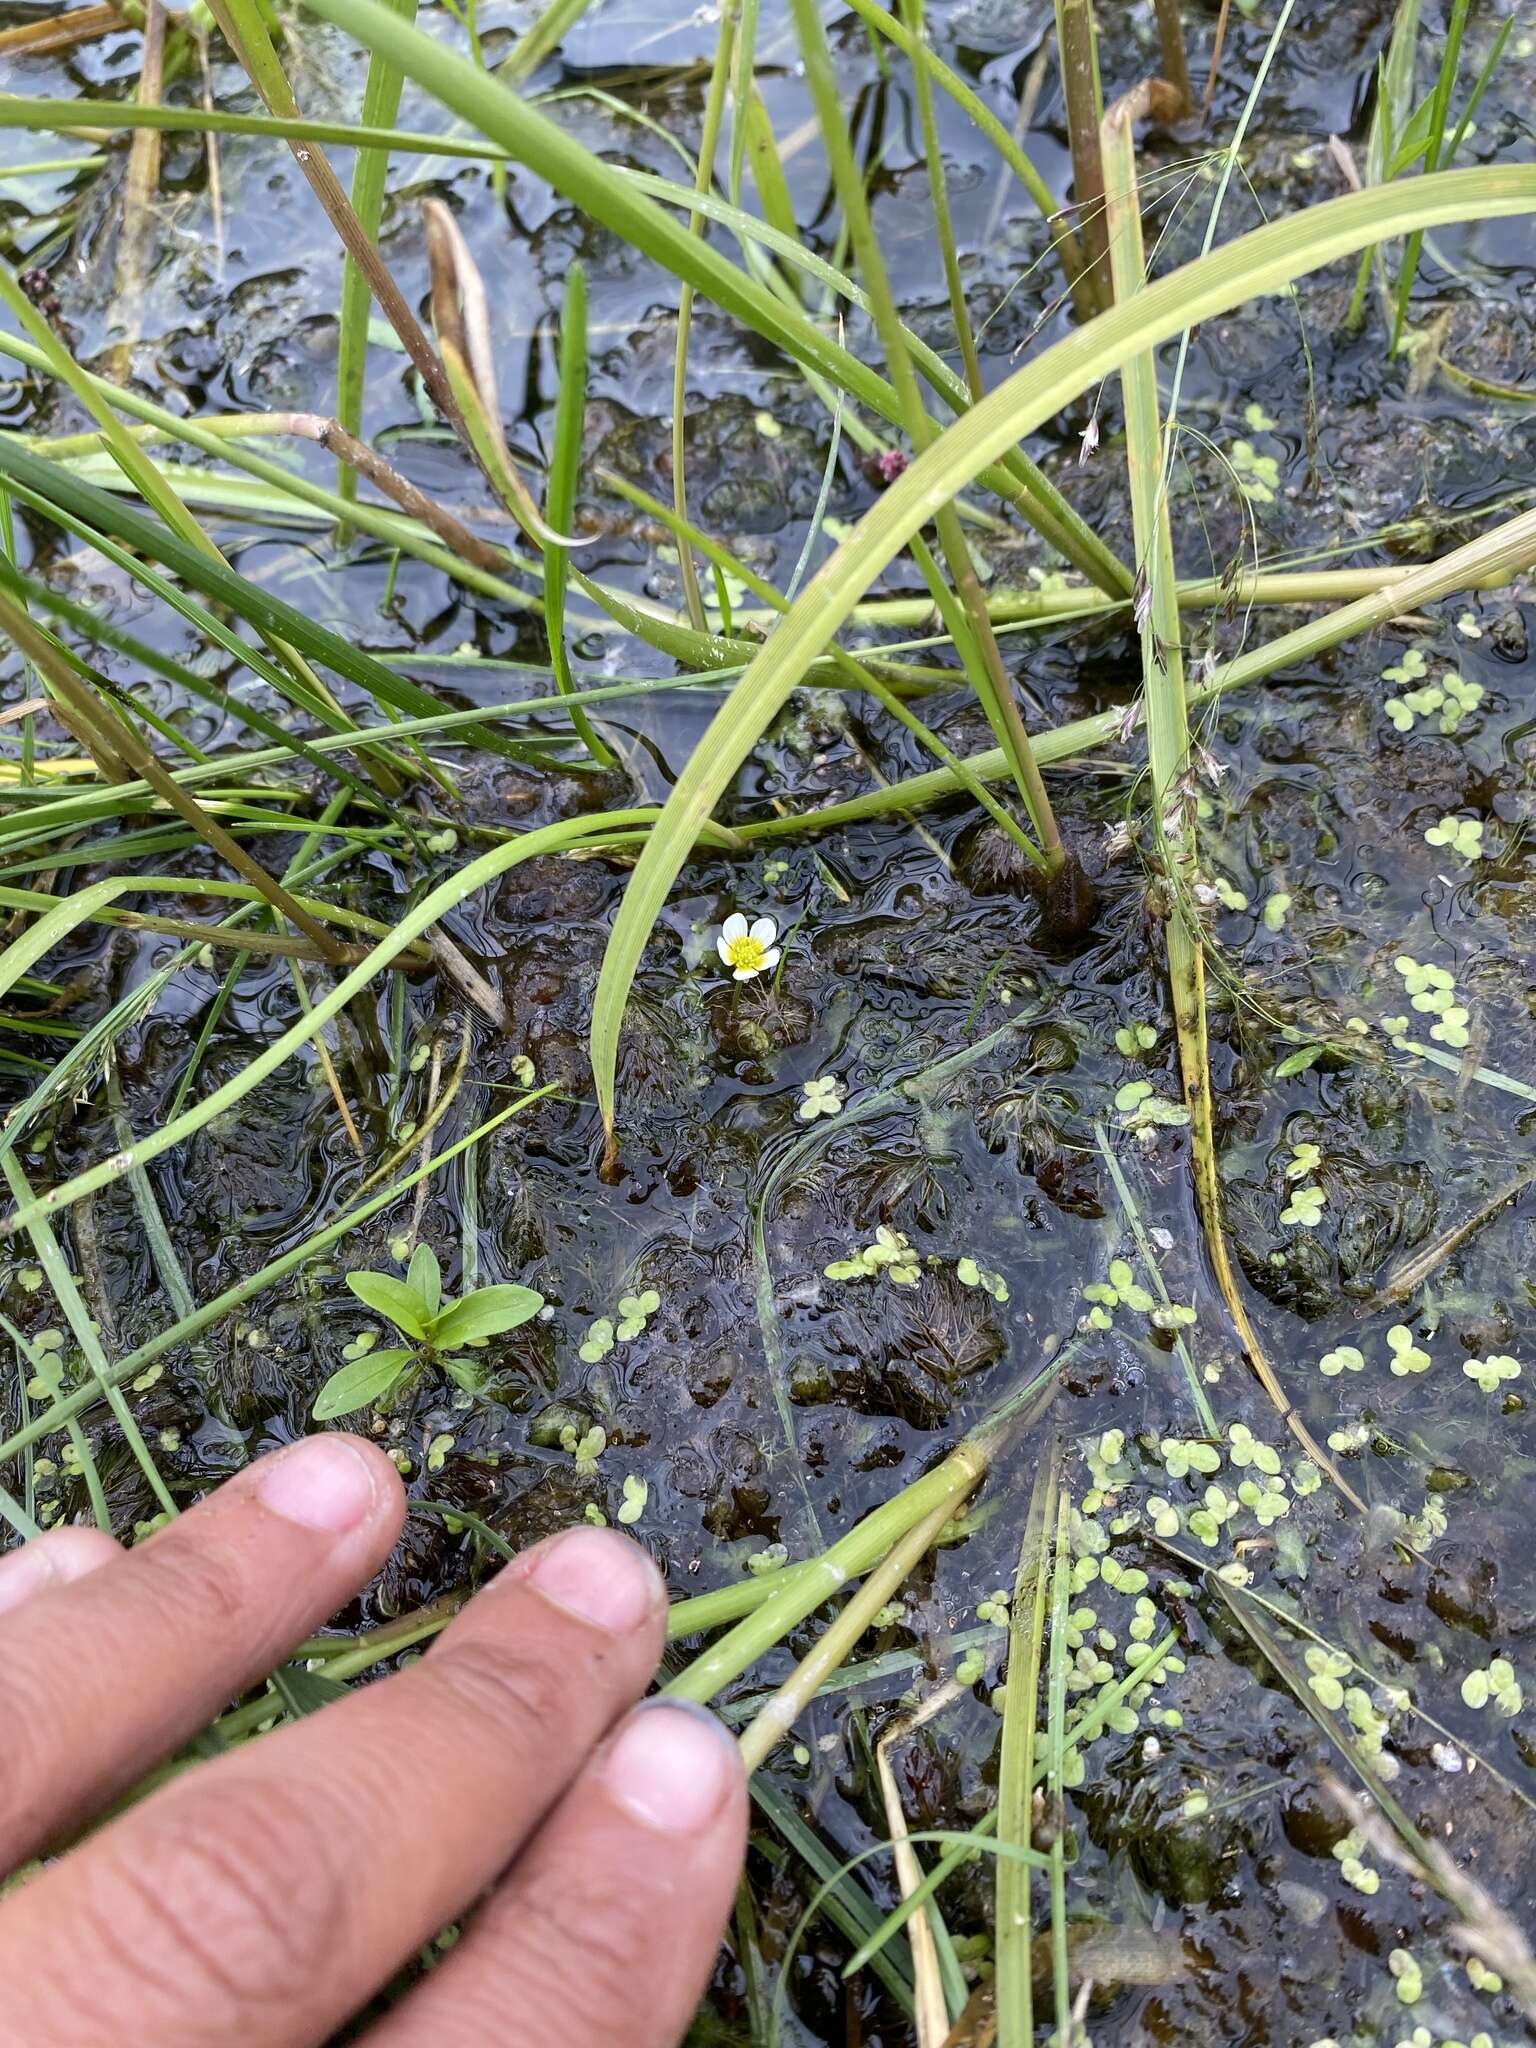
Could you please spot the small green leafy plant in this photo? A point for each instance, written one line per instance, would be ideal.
(891, 1254)
(1464, 836)
(436, 1329)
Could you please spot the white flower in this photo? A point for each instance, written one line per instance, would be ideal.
(748, 950)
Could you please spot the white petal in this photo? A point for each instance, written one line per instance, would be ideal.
(764, 930)
(722, 947)
(747, 973)
(771, 957)
(735, 926)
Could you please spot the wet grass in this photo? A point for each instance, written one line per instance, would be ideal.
(1068, 1312)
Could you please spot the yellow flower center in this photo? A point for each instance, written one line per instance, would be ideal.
(746, 953)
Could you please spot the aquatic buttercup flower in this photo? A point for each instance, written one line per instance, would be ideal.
(748, 949)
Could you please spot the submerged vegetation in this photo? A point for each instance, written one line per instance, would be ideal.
(812, 753)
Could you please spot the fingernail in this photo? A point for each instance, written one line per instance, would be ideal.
(602, 1578)
(56, 1559)
(25, 1572)
(672, 1766)
(325, 1482)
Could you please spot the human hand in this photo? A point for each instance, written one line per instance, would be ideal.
(264, 1897)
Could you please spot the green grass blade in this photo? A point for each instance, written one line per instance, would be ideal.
(381, 104)
(704, 177)
(1439, 116)
(560, 496)
(49, 114)
(1013, 1939)
(1256, 263)
(44, 1368)
(981, 115)
(140, 472)
(538, 42)
(1166, 710)
(23, 954)
(1055, 1763)
(847, 1904)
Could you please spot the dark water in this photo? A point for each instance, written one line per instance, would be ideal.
(916, 976)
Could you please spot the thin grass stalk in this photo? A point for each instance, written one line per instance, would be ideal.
(1013, 1920)
(560, 497)
(461, 316)
(1168, 753)
(993, 686)
(743, 87)
(1218, 44)
(927, 1936)
(140, 187)
(845, 1901)
(306, 863)
(1077, 51)
(1439, 116)
(975, 789)
(39, 112)
(1064, 241)
(93, 904)
(540, 40)
(938, 193)
(709, 142)
(381, 107)
(1055, 1765)
(837, 1640)
(168, 1267)
(1170, 42)
(1394, 94)
(45, 1369)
